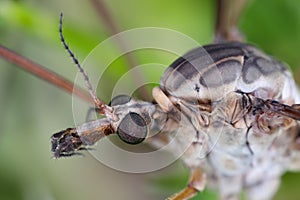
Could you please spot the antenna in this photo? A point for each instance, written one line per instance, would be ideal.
(103, 108)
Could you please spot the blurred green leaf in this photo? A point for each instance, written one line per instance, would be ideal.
(32, 110)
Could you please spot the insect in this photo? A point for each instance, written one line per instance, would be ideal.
(229, 106)
(254, 114)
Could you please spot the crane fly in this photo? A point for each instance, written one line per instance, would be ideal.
(231, 91)
(231, 107)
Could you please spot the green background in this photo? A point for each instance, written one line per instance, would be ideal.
(31, 110)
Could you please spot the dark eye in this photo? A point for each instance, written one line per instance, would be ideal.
(132, 129)
(119, 100)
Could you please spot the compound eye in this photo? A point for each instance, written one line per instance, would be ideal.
(132, 129)
(119, 100)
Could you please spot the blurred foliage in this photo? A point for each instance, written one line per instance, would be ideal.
(32, 110)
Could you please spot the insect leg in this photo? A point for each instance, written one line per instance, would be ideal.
(228, 13)
(196, 184)
(44, 73)
(282, 109)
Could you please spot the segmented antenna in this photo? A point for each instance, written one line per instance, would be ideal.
(99, 104)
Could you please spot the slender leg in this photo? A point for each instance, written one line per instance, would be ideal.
(196, 184)
(228, 14)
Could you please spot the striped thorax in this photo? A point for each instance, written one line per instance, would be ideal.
(213, 71)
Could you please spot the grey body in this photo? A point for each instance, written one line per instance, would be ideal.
(229, 110)
(215, 87)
